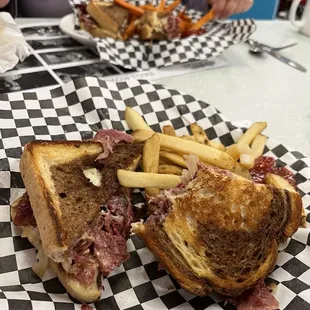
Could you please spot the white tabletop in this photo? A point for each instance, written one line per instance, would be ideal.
(254, 88)
(257, 88)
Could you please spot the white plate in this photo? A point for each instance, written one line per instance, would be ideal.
(67, 26)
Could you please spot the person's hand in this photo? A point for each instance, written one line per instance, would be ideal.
(3, 3)
(226, 8)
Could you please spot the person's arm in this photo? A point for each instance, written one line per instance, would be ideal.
(3, 3)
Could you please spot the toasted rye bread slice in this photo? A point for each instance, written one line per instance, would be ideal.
(63, 199)
(37, 159)
(170, 257)
(222, 232)
(109, 16)
(98, 32)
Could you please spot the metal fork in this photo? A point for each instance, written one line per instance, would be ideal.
(259, 48)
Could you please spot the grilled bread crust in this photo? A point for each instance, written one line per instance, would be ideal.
(81, 292)
(222, 233)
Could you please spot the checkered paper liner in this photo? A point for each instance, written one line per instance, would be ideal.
(75, 111)
(144, 55)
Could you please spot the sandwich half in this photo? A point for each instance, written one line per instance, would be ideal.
(219, 232)
(74, 210)
(103, 19)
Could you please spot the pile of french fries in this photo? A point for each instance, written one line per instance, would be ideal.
(163, 155)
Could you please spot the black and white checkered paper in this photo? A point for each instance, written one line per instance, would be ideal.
(75, 111)
(144, 55)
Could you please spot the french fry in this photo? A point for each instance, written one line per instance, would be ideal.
(143, 180)
(183, 146)
(170, 169)
(217, 145)
(184, 17)
(233, 151)
(169, 130)
(203, 20)
(172, 6)
(130, 7)
(175, 158)
(161, 6)
(199, 134)
(252, 132)
(130, 30)
(184, 25)
(204, 152)
(142, 135)
(163, 161)
(241, 171)
(243, 148)
(185, 22)
(187, 137)
(258, 145)
(236, 149)
(135, 121)
(151, 160)
(246, 160)
(279, 182)
(149, 7)
(151, 154)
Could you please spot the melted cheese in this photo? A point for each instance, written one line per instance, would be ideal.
(93, 175)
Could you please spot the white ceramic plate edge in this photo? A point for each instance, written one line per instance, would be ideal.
(66, 25)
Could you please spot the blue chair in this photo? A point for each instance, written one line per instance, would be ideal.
(262, 9)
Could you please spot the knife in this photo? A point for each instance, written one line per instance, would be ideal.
(278, 56)
(287, 61)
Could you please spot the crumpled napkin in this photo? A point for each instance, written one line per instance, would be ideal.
(13, 46)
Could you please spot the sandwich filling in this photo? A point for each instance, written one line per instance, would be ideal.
(165, 201)
(97, 239)
(103, 245)
(84, 18)
(158, 26)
